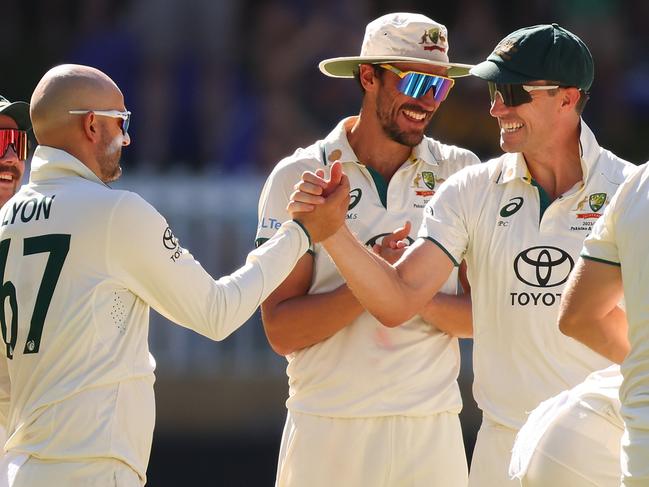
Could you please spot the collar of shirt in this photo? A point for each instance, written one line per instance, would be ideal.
(49, 162)
(335, 147)
(515, 166)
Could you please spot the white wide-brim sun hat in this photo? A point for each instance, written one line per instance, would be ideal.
(399, 38)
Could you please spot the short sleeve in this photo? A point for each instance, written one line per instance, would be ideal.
(444, 222)
(601, 244)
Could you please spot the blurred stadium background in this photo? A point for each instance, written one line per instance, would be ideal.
(220, 90)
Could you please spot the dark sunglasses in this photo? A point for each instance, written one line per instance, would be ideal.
(125, 116)
(513, 95)
(16, 139)
(416, 84)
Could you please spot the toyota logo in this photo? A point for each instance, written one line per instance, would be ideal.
(543, 266)
(168, 239)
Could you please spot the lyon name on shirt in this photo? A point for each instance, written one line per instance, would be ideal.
(27, 210)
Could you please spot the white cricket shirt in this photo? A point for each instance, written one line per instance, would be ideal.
(519, 249)
(367, 369)
(80, 264)
(620, 238)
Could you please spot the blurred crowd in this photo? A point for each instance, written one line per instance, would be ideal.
(232, 86)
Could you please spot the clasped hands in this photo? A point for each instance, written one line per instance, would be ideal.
(321, 205)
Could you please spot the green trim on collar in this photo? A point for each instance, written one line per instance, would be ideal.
(603, 261)
(544, 198)
(381, 186)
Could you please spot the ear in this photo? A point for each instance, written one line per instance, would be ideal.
(90, 127)
(367, 77)
(569, 98)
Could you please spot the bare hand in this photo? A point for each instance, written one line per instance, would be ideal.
(312, 189)
(393, 246)
(321, 204)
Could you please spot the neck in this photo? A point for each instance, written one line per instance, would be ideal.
(557, 166)
(374, 148)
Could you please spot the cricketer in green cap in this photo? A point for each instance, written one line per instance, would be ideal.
(519, 221)
(541, 52)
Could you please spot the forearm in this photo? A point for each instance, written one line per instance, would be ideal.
(450, 313)
(606, 335)
(375, 283)
(302, 321)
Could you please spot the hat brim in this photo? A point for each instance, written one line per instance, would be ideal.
(19, 111)
(345, 67)
(496, 73)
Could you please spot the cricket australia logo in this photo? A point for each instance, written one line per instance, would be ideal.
(505, 49)
(596, 201)
(429, 181)
(434, 40)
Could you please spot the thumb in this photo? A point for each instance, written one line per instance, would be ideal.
(397, 235)
(341, 192)
(335, 173)
(404, 231)
(344, 182)
(334, 178)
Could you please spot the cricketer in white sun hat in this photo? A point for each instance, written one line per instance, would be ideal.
(399, 37)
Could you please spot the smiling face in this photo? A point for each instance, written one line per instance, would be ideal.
(528, 127)
(404, 119)
(11, 169)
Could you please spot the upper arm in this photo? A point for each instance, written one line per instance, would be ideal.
(592, 292)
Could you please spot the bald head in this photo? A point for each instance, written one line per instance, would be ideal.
(69, 87)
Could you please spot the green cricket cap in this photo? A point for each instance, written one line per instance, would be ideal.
(540, 52)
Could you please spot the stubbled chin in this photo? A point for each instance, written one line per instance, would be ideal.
(7, 190)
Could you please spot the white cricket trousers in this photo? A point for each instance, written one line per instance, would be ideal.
(491, 456)
(390, 451)
(17, 470)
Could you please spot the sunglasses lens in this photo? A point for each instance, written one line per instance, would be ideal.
(15, 138)
(417, 85)
(512, 95)
(125, 124)
(442, 88)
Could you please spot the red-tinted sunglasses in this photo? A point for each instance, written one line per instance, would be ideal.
(15, 138)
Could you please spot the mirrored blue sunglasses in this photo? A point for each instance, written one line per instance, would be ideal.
(416, 84)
